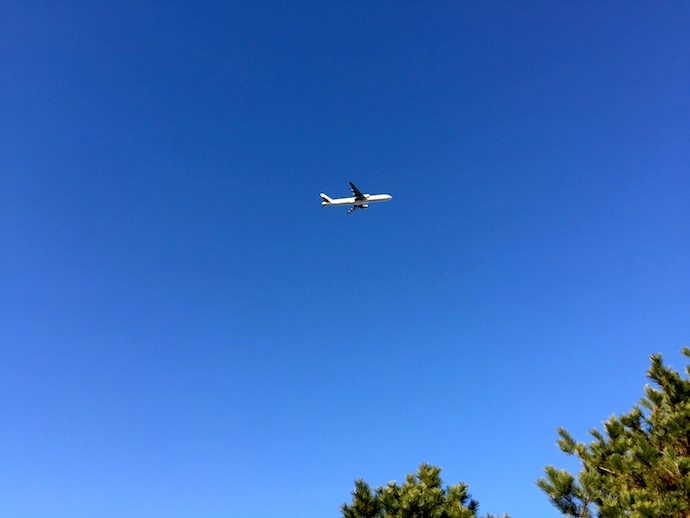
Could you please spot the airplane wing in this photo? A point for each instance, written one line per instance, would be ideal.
(355, 207)
(358, 194)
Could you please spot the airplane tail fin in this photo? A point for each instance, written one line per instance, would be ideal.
(326, 200)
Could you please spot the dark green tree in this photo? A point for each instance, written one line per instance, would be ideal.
(420, 496)
(640, 466)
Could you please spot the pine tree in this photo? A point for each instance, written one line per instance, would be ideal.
(640, 466)
(420, 496)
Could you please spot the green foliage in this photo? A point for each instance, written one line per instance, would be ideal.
(640, 466)
(420, 496)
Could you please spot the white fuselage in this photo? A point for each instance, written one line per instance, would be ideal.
(368, 198)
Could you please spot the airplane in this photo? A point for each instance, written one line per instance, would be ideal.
(358, 201)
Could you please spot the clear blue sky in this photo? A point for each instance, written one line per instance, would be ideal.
(185, 332)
